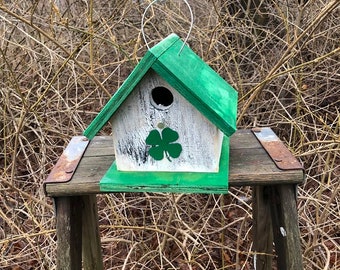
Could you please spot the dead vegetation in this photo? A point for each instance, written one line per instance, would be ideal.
(61, 62)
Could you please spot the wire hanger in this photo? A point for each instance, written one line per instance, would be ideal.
(189, 32)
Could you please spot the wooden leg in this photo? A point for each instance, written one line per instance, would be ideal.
(92, 255)
(262, 228)
(286, 227)
(69, 235)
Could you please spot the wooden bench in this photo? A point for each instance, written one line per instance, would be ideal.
(257, 158)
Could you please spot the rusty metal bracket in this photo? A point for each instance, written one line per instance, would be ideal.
(276, 149)
(68, 161)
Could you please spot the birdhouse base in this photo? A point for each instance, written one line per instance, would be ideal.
(174, 182)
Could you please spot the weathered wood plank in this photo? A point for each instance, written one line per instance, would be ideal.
(91, 248)
(244, 138)
(249, 165)
(69, 233)
(274, 204)
(262, 228)
(286, 227)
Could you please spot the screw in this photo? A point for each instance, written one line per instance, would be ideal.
(257, 129)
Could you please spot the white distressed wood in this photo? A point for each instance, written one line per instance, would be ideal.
(201, 140)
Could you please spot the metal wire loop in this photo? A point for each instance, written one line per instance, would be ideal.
(189, 32)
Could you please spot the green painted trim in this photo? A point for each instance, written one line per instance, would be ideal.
(163, 46)
(129, 84)
(175, 182)
(113, 104)
(189, 75)
(200, 85)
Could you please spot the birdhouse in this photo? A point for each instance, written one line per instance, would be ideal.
(171, 122)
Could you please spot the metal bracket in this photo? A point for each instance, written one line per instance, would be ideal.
(68, 161)
(276, 149)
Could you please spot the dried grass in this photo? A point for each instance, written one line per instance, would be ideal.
(59, 65)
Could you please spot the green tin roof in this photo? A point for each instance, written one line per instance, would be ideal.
(189, 75)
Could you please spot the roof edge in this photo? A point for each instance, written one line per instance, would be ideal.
(118, 98)
(160, 58)
(192, 83)
(126, 88)
(227, 126)
(164, 45)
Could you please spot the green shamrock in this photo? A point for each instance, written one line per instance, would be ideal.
(161, 144)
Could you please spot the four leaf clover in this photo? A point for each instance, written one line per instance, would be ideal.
(163, 144)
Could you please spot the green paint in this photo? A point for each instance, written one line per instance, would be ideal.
(123, 92)
(177, 182)
(199, 84)
(164, 144)
(189, 75)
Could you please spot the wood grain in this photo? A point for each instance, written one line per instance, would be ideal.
(201, 141)
(69, 232)
(286, 227)
(274, 204)
(249, 165)
(91, 248)
(262, 228)
(194, 79)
